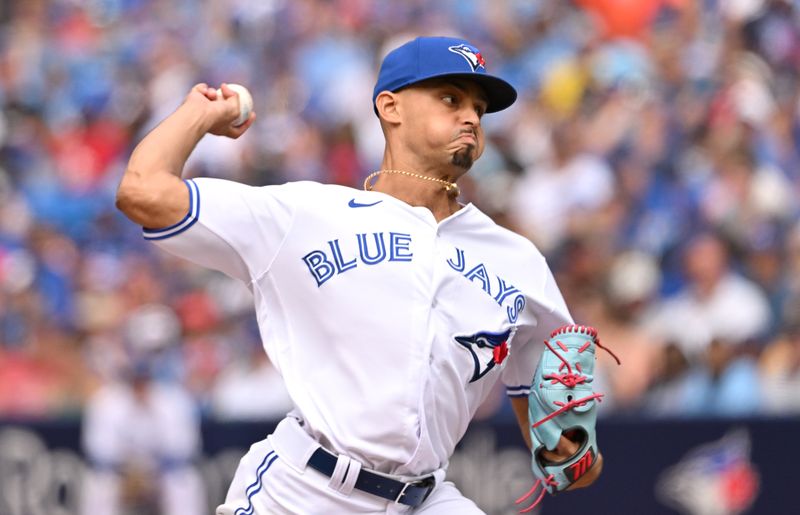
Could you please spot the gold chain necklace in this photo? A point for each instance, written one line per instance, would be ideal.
(450, 187)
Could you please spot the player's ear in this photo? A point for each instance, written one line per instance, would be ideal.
(386, 104)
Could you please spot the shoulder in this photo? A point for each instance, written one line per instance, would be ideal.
(297, 191)
(215, 183)
(488, 230)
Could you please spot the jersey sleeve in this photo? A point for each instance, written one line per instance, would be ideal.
(550, 314)
(231, 227)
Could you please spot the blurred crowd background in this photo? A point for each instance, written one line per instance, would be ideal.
(653, 156)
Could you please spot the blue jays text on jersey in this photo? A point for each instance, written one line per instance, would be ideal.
(323, 267)
(373, 249)
(504, 290)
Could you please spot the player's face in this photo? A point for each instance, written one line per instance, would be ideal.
(442, 119)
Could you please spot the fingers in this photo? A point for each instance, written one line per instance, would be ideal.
(226, 91)
(221, 114)
(235, 132)
(204, 89)
(213, 93)
(201, 88)
(565, 449)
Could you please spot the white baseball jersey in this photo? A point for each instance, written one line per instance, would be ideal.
(388, 327)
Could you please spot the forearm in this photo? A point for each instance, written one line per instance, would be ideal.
(520, 407)
(151, 193)
(167, 147)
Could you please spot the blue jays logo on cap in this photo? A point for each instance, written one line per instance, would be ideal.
(441, 58)
(471, 54)
(496, 350)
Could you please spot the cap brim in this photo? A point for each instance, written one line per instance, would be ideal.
(499, 93)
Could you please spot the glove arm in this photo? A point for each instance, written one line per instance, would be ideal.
(520, 407)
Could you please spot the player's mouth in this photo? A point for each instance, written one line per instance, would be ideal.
(467, 136)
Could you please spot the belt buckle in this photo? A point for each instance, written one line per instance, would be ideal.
(429, 481)
(402, 492)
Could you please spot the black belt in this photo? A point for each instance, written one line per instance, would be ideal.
(410, 494)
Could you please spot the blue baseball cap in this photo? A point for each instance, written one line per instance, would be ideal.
(436, 57)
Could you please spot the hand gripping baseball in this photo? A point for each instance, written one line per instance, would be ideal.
(228, 110)
(562, 402)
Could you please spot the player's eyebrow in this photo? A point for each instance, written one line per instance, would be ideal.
(459, 85)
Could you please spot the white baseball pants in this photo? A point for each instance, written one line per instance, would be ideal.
(273, 479)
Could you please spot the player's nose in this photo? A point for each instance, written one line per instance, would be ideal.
(470, 114)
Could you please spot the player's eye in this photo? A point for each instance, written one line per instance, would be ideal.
(449, 99)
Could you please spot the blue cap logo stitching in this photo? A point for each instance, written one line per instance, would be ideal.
(472, 55)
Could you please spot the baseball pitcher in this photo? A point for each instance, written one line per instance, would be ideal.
(390, 311)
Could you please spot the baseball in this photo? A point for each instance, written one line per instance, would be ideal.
(245, 103)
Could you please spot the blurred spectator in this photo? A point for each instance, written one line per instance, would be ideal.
(669, 384)
(725, 383)
(616, 312)
(766, 264)
(780, 369)
(790, 308)
(42, 362)
(716, 303)
(561, 195)
(141, 437)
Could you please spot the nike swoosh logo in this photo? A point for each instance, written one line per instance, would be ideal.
(353, 203)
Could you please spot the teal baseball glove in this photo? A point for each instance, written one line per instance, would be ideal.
(562, 401)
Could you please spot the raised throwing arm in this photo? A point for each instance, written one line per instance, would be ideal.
(151, 192)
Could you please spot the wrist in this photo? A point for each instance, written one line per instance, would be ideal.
(195, 120)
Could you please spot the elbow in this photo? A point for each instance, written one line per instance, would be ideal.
(129, 196)
(123, 200)
(154, 200)
(128, 205)
(134, 199)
